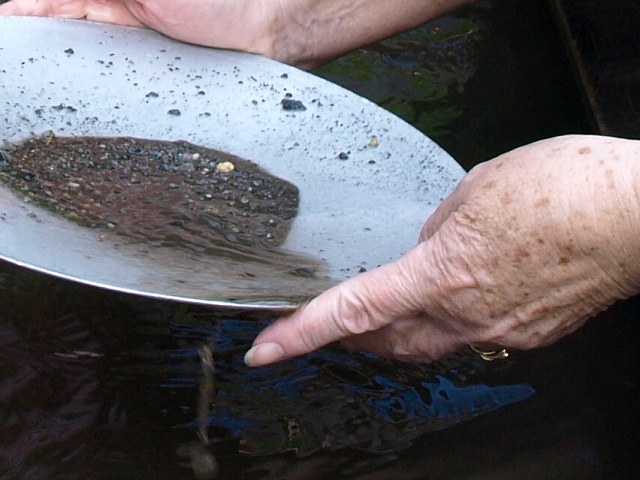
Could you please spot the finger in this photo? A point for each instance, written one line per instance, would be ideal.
(73, 9)
(416, 340)
(111, 11)
(28, 8)
(106, 11)
(364, 303)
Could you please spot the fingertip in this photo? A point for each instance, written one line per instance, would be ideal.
(364, 303)
(264, 354)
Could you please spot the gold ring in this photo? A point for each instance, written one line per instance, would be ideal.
(490, 355)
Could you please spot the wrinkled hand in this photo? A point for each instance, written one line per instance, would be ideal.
(304, 33)
(527, 248)
(238, 24)
(95, 10)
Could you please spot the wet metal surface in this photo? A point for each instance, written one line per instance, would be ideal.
(93, 79)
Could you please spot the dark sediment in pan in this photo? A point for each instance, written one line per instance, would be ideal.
(169, 194)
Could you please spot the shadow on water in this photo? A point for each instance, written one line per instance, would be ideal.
(97, 385)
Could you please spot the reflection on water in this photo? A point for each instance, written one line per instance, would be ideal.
(490, 77)
(97, 385)
(412, 74)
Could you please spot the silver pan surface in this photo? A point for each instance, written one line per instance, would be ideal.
(367, 180)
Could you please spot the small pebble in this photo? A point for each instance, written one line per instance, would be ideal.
(225, 167)
(292, 105)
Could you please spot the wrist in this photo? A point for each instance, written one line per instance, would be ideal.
(307, 33)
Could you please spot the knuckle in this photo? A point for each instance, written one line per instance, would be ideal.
(352, 315)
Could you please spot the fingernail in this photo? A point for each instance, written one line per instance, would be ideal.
(263, 354)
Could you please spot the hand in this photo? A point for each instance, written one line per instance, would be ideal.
(304, 33)
(527, 248)
(234, 24)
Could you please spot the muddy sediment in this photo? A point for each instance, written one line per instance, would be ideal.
(174, 194)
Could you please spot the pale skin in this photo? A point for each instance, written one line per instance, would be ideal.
(304, 33)
(528, 247)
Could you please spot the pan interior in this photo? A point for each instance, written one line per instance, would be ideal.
(366, 180)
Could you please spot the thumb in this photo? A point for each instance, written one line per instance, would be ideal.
(362, 304)
(444, 211)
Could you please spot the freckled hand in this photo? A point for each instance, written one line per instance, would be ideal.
(528, 247)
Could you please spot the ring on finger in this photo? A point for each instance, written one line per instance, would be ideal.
(490, 354)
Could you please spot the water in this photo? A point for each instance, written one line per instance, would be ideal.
(100, 385)
(490, 78)
(106, 386)
(97, 385)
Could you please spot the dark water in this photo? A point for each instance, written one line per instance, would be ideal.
(490, 78)
(100, 385)
(97, 385)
